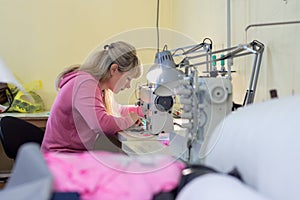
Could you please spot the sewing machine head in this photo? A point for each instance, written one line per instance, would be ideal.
(157, 110)
(157, 97)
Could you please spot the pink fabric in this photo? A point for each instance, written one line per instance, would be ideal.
(105, 175)
(78, 115)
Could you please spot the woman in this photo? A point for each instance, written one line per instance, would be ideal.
(82, 109)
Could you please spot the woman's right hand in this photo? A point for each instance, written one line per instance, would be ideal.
(135, 118)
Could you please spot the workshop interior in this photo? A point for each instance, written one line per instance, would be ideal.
(219, 96)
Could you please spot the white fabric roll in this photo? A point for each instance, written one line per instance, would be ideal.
(263, 142)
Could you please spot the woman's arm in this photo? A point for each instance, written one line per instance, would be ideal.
(88, 102)
(125, 110)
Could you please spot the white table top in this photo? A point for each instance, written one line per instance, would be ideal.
(142, 143)
(26, 115)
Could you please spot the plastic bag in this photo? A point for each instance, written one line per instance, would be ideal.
(29, 101)
(6, 97)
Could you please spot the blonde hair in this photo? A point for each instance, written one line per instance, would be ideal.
(99, 61)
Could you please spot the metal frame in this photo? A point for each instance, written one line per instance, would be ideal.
(204, 50)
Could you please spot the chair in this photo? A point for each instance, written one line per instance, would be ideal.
(15, 132)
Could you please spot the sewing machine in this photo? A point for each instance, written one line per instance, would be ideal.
(205, 100)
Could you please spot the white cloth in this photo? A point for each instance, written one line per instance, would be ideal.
(217, 187)
(263, 142)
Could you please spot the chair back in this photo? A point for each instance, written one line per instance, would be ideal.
(15, 132)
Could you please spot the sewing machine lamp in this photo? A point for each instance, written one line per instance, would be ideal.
(157, 97)
(163, 74)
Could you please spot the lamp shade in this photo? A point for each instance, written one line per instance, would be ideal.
(163, 74)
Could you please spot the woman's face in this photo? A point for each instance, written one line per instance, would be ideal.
(118, 80)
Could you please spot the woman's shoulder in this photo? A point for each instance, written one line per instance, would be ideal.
(78, 79)
(85, 80)
(85, 75)
(82, 77)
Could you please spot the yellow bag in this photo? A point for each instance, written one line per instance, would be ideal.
(29, 101)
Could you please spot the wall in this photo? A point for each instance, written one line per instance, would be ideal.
(38, 39)
(280, 65)
(279, 69)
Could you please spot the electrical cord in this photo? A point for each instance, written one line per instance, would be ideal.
(157, 20)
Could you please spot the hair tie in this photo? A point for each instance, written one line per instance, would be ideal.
(107, 47)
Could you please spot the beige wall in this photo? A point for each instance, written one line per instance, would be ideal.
(40, 38)
(280, 65)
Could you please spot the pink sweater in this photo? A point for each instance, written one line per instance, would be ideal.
(78, 116)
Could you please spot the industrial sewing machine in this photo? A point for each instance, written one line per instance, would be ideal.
(205, 100)
(157, 109)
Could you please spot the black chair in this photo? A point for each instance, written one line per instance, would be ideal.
(15, 132)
